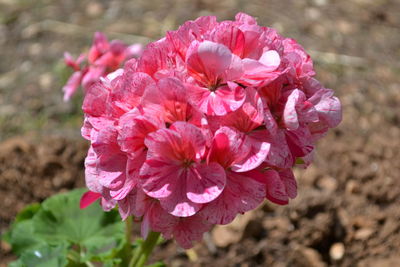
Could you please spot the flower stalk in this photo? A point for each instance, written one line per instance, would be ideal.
(143, 252)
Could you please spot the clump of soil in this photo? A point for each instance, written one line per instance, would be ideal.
(32, 172)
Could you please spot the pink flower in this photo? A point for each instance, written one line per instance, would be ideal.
(103, 57)
(174, 174)
(214, 67)
(206, 124)
(242, 191)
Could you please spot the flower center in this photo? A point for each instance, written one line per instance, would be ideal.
(186, 163)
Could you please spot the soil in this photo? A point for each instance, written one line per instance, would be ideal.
(347, 211)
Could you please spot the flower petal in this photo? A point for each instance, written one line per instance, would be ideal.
(88, 198)
(205, 182)
(241, 194)
(276, 189)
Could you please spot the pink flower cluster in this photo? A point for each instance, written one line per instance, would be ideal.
(206, 124)
(103, 57)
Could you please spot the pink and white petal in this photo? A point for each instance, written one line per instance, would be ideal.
(279, 154)
(111, 162)
(134, 50)
(248, 117)
(186, 34)
(276, 188)
(235, 70)
(127, 205)
(174, 101)
(255, 70)
(254, 109)
(132, 177)
(290, 116)
(70, 61)
(290, 182)
(227, 147)
(242, 193)
(270, 59)
(204, 182)
(187, 230)
(111, 179)
(300, 142)
(206, 23)
(228, 34)
(159, 178)
(178, 204)
(72, 85)
(200, 98)
(92, 76)
(298, 110)
(96, 101)
(191, 136)
(227, 99)
(244, 18)
(160, 220)
(155, 57)
(126, 188)
(168, 145)
(91, 172)
(134, 128)
(110, 157)
(328, 107)
(258, 151)
(208, 61)
(168, 184)
(176, 146)
(108, 204)
(270, 122)
(130, 88)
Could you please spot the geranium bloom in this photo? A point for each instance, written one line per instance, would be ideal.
(103, 57)
(206, 124)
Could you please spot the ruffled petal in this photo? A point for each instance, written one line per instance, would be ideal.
(242, 193)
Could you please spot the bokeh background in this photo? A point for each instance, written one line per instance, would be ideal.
(348, 209)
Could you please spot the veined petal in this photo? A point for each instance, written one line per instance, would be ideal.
(227, 147)
(178, 204)
(159, 178)
(228, 34)
(276, 188)
(242, 193)
(258, 149)
(208, 61)
(205, 182)
(328, 107)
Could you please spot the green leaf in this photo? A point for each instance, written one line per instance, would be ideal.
(27, 213)
(17, 263)
(157, 264)
(94, 231)
(48, 234)
(46, 256)
(22, 237)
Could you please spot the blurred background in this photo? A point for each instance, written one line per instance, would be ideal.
(347, 212)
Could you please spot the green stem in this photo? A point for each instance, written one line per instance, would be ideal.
(128, 229)
(142, 254)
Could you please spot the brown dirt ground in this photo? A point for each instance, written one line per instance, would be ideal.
(347, 212)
